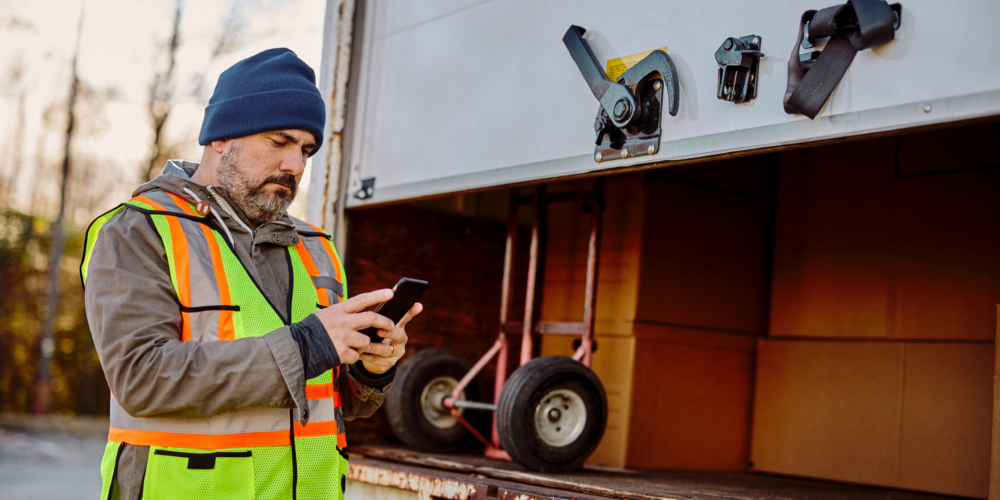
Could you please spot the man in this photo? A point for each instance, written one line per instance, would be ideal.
(221, 322)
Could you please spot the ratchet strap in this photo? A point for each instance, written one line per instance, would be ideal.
(852, 27)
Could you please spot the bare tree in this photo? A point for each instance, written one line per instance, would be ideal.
(229, 39)
(94, 175)
(14, 88)
(163, 95)
(43, 378)
(161, 101)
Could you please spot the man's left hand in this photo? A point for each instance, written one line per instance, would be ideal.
(380, 358)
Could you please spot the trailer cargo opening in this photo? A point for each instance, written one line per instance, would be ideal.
(774, 306)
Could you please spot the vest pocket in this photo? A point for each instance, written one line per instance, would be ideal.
(109, 468)
(342, 469)
(180, 474)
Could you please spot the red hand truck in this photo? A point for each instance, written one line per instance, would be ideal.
(551, 413)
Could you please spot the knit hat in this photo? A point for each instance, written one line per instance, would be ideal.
(272, 90)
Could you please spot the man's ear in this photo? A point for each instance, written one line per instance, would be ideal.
(219, 146)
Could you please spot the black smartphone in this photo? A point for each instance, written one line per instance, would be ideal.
(406, 293)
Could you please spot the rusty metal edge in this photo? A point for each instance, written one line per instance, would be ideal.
(435, 483)
(523, 479)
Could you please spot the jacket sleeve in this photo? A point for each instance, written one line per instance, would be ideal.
(135, 320)
(361, 393)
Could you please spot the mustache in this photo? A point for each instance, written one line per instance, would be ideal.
(286, 179)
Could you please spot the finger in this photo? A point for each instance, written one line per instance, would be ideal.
(396, 335)
(375, 360)
(415, 310)
(382, 350)
(350, 357)
(356, 340)
(362, 320)
(363, 301)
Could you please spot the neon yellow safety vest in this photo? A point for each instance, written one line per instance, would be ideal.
(260, 453)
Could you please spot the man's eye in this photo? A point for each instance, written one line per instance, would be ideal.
(279, 144)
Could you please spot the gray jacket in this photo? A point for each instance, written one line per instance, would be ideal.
(135, 317)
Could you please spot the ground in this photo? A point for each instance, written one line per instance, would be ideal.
(45, 461)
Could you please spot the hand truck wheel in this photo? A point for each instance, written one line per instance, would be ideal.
(414, 407)
(552, 414)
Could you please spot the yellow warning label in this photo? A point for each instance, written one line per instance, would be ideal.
(619, 65)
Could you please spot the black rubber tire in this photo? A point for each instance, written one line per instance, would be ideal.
(402, 404)
(516, 412)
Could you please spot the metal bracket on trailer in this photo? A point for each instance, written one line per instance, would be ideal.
(367, 189)
(739, 62)
(628, 121)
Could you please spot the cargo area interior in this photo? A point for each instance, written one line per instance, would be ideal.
(828, 312)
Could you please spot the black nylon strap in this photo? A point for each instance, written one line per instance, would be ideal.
(824, 23)
(876, 21)
(854, 26)
(817, 85)
(795, 70)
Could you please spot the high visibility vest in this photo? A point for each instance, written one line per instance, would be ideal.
(260, 453)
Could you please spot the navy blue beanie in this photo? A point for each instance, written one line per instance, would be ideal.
(272, 90)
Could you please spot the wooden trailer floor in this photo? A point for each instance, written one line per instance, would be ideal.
(454, 476)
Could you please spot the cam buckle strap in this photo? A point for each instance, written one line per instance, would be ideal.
(851, 27)
(328, 283)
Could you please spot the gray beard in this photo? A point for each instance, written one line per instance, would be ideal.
(249, 196)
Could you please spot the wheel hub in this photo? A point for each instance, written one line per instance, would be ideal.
(560, 417)
(432, 402)
(554, 415)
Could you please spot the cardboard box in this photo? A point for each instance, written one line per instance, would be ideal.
(898, 414)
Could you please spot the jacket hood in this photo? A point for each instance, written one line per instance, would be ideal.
(176, 176)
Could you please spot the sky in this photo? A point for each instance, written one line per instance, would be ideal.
(121, 48)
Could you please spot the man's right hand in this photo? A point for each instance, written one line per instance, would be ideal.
(343, 322)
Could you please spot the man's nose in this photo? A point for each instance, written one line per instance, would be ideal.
(294, 164)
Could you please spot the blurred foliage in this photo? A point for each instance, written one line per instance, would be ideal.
(78, 385)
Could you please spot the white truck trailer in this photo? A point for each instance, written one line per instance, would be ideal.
(778, 220)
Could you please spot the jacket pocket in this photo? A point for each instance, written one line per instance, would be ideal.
(209, 322)
(181, 474)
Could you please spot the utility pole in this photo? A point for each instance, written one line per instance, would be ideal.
(44, 376)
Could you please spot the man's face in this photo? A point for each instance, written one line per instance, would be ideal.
(261, 172)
